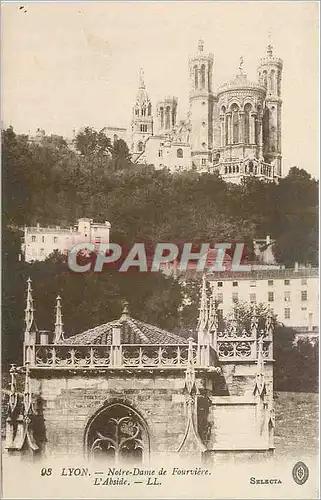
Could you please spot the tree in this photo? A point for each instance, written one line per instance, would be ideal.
(91, 143)
(121, 159)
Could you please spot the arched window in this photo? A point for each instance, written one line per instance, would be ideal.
(251, 167)
(265, 78)
(162, 117)
(149, 109)
(196, 76)
(180, 153)
(233, 169)
(143, 111)
(272, 80)
(116, 433)
(140, 146)
(247, 110)
(237, 168)
(168, 117)
(230, 169)
(203, 76)
(235, 123)
(136, 111)
(226, 170)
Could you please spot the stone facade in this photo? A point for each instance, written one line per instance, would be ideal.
(128, 390)
(291, 294)
(234, 130)
(39, 242)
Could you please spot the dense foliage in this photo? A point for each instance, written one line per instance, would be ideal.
(51, 182)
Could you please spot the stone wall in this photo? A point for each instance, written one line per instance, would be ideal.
(230, 416)
(240, 377)
(68, 401)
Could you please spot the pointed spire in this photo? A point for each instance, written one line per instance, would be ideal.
(212, 316)
(203, 310)
(141, 79)
(29, 310)
(59, 334)
(254, 321)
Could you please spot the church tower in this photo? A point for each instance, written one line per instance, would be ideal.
(270, 75)
(142, 118)
(201, 106)
(166, 115)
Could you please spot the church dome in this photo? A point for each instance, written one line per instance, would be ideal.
(241, 82)
(132, 331)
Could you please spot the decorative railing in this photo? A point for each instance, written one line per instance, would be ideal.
(231, 168)
(117, 356)
(225, 348)
(241, 345)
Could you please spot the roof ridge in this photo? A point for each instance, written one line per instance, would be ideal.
(162, 330)
(91, 331)
(132, 323)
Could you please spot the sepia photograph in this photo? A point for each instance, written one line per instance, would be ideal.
(160, 249)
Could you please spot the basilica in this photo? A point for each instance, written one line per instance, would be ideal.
(234, 130)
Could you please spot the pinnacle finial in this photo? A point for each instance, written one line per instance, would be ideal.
(29, 310)
(125, 311)
(59, 334)
(200, 45)
(254, 321)
(269, 50)
(141, 79)
(241, 65)
(212, 316)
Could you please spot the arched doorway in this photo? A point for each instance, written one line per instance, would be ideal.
(117, 433)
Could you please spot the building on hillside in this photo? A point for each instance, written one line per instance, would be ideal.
(126, 390)
(291, 294)
(39, 242)
(234, 130)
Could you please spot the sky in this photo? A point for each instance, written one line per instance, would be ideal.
(72, 64)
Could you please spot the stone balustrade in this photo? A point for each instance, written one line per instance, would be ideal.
(137, 356)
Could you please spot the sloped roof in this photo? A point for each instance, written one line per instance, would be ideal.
(132, 332)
